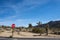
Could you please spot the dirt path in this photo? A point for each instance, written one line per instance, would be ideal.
(27, 35)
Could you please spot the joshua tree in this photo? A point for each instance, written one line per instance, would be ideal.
(3, 26)
(39, 23)
(47, 25)
(30, 26)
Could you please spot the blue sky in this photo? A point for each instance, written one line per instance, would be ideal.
(23, 12)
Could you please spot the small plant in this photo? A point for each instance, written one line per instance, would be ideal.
(2, 31)
(38, 30)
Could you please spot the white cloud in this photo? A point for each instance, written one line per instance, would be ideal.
(19, 22)
(28, 5)
(31, 4)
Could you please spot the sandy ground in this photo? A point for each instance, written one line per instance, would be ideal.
(27, 35)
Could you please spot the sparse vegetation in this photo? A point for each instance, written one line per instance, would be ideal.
(47, 25)
(38, 30)
(30, 26)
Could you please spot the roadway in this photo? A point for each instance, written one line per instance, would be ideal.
(29, 38)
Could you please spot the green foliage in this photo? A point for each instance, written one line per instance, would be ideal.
(39, 23)
(38, 30)
(47, 27)
(2, 31)
(30, 26)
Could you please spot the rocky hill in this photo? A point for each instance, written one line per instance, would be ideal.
(52, 24)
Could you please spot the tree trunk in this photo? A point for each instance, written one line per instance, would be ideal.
(12, 32)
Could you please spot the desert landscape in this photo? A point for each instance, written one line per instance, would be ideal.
(29, 19)
(29, 32)
(27, 35)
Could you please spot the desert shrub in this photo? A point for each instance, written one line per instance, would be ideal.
(56, 32)
(24, 30)
(2, 31)
(38, 30)
(10, 36)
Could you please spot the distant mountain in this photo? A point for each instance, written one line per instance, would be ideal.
(52, 24)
